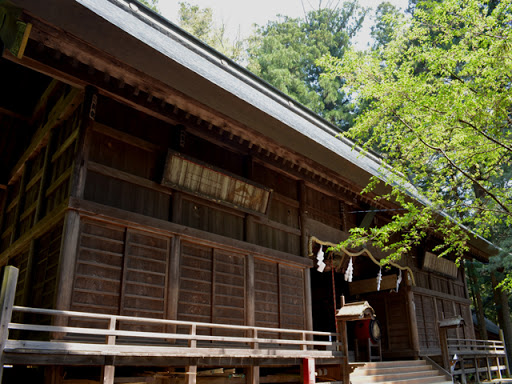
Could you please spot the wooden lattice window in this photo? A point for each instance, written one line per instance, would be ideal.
(195, 177)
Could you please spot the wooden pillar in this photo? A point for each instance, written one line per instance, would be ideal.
(303, 217)
(308, 371)
(308, 299)
(191, 374)
(7, 293)
(253, 374)
(304, 241)
(507, 366)
(249, 293)
(71, 231)
(78, 175)
(342, 329)
(443, 341)
(249, 229)
(107, 374)
(462, 363)
(4, 189)
(45, 177)
(21, 199)
(177, 204)
(477, 374)
(66, 272)
(174, 278)
(489, 372)
(413, 324)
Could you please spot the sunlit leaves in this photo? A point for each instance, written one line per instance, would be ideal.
(440, 97)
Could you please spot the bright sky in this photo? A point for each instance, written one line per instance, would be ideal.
(240, 15)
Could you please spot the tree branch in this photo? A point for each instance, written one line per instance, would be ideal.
(467, 175)
(508, 148)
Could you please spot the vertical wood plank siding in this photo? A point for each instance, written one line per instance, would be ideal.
(45, 268)
(97, 286)
(196, 281)
(145, 277)
(124, 271)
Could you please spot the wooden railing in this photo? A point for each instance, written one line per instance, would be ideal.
(477, 357)
(93, 334)
(174, 339)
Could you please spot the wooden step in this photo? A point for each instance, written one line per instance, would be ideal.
(363, 371)
(396, 363)
(417, 380)
(380, 377)
(397, 372)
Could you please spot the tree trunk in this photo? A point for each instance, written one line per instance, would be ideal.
(477, 301)
(503, 310)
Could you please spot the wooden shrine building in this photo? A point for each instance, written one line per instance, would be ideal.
(145, 176)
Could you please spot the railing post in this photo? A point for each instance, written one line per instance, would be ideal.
(191, 370)
(7, 294)
(111, 339)
(254, 334)
(108, 370)
(192, 343)
(505, 358)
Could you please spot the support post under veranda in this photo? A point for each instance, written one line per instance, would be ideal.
(7, 294)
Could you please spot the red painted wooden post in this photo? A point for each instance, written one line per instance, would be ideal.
(308, 371)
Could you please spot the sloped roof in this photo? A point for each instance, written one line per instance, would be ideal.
(137, 36)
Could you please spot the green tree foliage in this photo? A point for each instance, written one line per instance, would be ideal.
(440, 99)
(199, 22)
(284, 52)
(151, 4)
(387, 20)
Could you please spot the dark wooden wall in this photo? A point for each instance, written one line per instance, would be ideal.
(37, 193)
(126, 271)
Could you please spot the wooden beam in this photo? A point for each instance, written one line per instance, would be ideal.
(7, 294)
(124, 137)
(441, 295)
(128, 177)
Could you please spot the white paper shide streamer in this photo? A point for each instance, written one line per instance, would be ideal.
(349, 272)
(379, 279)
(320, 265)
(398, 279)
